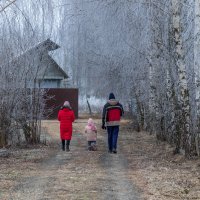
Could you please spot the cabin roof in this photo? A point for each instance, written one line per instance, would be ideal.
(48, 45)
(28, 58)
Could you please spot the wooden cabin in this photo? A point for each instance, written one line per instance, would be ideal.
(41, 69)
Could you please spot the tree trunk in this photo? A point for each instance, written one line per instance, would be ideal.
(197, 69)
(2, 138)
(181, 68)
(89, 107)
(153, 100)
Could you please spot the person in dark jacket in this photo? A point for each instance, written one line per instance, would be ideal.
(112, 113)
(66, 118)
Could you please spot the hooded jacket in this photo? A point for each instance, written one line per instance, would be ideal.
(112, 113)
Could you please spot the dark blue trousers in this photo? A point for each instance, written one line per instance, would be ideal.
(112, 137)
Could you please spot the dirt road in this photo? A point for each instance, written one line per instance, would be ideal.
(78, 174)
(143, 169)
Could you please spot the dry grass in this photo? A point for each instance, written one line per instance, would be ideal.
(160, 174)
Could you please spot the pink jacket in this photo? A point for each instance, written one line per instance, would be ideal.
(91, 131)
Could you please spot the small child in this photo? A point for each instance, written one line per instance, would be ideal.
(91, 134)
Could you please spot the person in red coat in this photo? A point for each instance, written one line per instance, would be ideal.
(66, 118)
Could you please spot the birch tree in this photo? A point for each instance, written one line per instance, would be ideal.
(197, 69)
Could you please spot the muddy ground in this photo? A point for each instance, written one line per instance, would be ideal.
(143, 169)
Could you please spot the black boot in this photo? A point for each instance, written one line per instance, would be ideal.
(67, 145)
(114, 151)
(63, 145)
